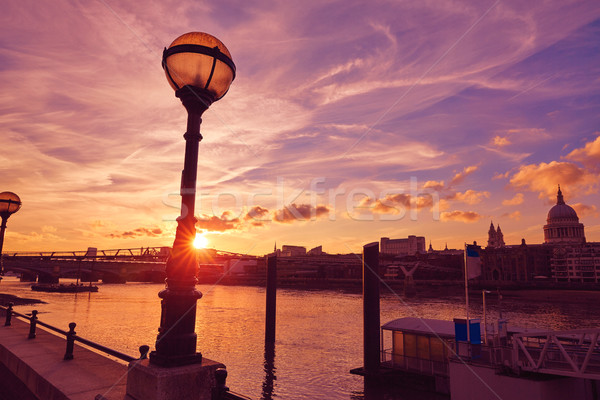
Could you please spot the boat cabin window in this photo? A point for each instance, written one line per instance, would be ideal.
(410, 345)
(423, 347)
(418, 346)
(398, 344)
(438, 349)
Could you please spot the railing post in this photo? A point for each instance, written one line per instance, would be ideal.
(9, 311)
(221, 388)
(144, 349)
(515, 355)
(70, 341)
(32, 324)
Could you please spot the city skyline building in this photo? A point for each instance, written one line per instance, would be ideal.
(291, 251)
(495, 237)
(563, 224)
(407, 246)
(565, 256)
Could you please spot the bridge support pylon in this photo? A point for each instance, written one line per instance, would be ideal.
(47, 278)
(410, 290)
(28, 277)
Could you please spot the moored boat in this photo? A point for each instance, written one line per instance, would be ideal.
(62, 288)
(497, 362)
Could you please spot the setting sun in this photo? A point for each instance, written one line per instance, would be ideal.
(201, 241)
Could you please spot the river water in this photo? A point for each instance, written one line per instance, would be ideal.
(319, 333)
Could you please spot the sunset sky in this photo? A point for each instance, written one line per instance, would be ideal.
(347, 121)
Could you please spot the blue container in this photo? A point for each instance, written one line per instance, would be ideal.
(460, 330)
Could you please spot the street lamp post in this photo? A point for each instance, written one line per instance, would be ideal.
(200, 69)
(10, 203)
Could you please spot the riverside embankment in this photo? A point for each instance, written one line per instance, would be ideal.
(34, 368)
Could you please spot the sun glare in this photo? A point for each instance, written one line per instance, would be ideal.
(201, 241)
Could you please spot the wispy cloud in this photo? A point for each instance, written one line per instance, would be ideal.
(300, 212)
(138, 232)
(461, 216)
(452, 94)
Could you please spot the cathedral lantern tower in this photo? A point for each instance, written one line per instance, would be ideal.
(563, 226)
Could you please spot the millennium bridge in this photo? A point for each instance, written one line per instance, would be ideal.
(145, 264)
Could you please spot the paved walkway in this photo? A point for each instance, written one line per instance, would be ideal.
(39, 364)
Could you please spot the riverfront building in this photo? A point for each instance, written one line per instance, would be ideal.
(563, 226)
(565, 256)
(519, 263)
(291, 251)
(402, 247)
(576, 263)
(495, 237)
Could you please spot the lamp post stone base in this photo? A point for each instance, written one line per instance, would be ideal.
(147, 381)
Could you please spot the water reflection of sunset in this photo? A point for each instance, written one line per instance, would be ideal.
(323, 326)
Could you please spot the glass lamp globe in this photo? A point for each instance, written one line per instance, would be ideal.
(10, 203)
(199, 60)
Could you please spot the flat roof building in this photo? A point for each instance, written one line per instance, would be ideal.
(402, 247)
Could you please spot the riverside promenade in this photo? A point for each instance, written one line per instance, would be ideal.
(32, 369)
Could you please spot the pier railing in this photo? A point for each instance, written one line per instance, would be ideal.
(221, 392)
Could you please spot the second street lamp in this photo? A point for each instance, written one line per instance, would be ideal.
(200, 69)
(10, 203)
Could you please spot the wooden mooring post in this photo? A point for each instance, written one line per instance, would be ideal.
(271, 298)
(371, 317)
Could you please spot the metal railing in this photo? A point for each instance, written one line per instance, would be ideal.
(490, 355)
(157, 251)
(220, 392)
(80, 254)
(414, 364)
(70, 335)
(569, 353)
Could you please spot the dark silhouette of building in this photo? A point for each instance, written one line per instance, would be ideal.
(316, 251)
(408, 246)
(576, 263)
(565, 256)
(520, 263)
(563, 226)
(495, 237)
(291, 251)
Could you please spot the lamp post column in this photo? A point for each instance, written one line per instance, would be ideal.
(10, 203)
(199, 68)
(2, 229)
(176, 340)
